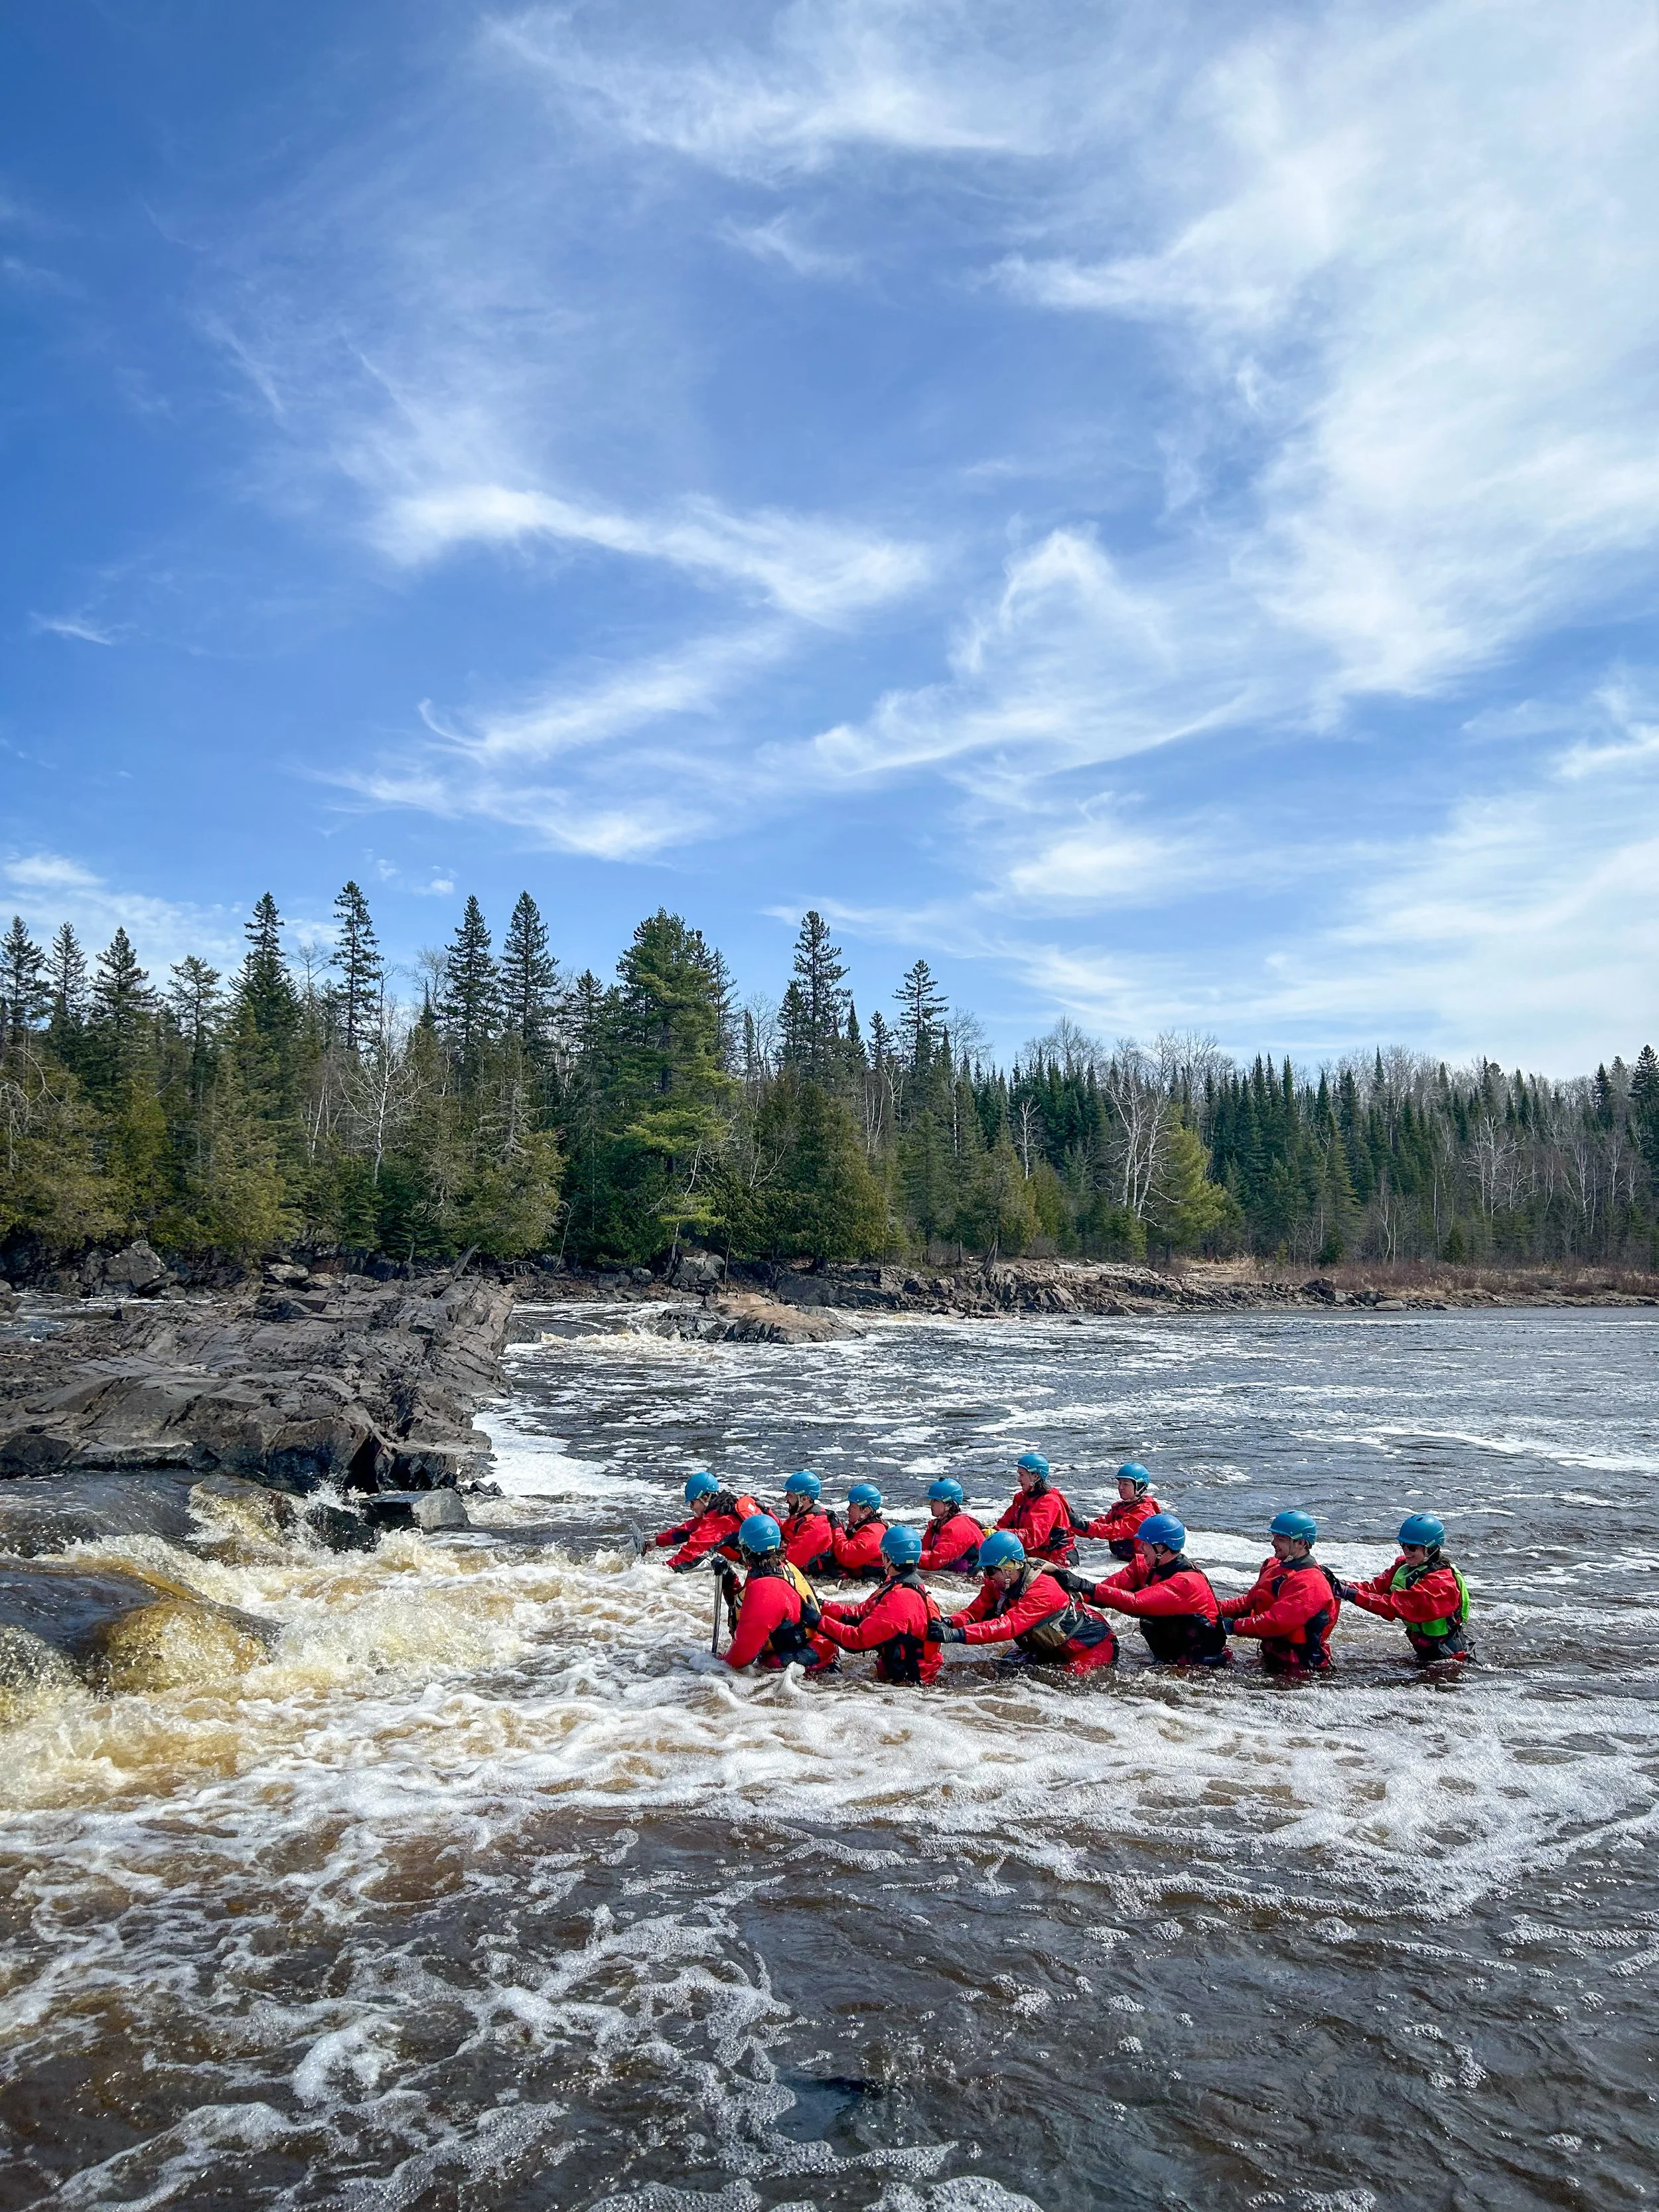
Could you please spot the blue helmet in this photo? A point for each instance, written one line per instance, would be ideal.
(865, 1493)
(951, 1491)
(803, 1484)
(1301, 1526)
(1162, 1528)
(1133, 1471)
(902, 1546)
(701, 1484)
(1032, 1463)
(1422, 1529)
(760, 1532)
(1001, 1548)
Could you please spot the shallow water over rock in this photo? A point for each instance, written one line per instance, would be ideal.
(486, 1887)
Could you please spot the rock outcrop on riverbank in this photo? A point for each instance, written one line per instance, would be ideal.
(1084, 1287)
(369, 1388)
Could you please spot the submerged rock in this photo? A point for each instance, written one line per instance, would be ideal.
(119, 1630)
(45, 1516)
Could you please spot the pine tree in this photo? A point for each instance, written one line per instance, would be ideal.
(362, 972)
(265, 986)
(24, 994)
(66, 979)
(122, 1006)
(194, 1002)
(921, 1015)
(529, 980)
(819, 1000)
(1644, 1108)
(470, 1003)
(823, 1203)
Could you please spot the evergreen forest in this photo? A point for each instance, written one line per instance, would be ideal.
(505, 1107)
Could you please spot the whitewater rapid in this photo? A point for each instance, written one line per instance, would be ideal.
(489, 1885)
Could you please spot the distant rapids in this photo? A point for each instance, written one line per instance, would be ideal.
(487, 1887)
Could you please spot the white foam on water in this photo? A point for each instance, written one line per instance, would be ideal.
(528, 1462)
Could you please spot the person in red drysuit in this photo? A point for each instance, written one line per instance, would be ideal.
(1136, 1503)
(717, 1515)
(1294, 1603)
(1423, 1591)
(777, 1610)
(1179, 1613)
(894, 1623)
(808, 1536)
(951, 1541)
(1021, 1603)
(1040, 1516)
(856, 1548)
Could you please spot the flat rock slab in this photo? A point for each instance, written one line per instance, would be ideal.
(336, 1381)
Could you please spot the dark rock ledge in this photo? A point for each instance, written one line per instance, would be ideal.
(369, 1388)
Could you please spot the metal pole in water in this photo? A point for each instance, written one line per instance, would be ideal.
(719, 1580)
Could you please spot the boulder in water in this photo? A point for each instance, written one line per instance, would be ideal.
(426, 1509)
(137, 1270)
(119, 1630)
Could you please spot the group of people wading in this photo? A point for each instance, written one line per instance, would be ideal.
(1031, 1595)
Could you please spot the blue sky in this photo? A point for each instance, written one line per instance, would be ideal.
(1155, 509)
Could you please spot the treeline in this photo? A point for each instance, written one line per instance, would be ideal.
(509, 1108)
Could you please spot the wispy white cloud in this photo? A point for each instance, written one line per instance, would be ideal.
(779, 242)
(826, 81)
(820, 571)
(1418, 297)
(1068, 663)
(76, 626)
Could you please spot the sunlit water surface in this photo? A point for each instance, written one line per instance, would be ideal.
(492, 1889)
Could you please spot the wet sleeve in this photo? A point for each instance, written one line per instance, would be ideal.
(1035, 1606)
(1241, 1607)
(1294, 1607)
(1155, 1599)
(673, 1536)
(868, 1626)
(1435, 1598)
(707, 1536)
(1105, 1525)
(764, 1605)
(977, 1608)
(1010, 1518)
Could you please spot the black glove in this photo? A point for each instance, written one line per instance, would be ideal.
(949, 1632)
(832, 1517)
(684, 1566)
(935, 1631)
(1077, 1585)
(1348, 1592)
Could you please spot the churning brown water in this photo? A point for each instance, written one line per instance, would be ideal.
(486, 1887)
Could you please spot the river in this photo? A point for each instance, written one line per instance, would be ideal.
(490, 1888)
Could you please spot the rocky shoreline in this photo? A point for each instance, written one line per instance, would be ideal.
(322, 1411)
(1083, 1287)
